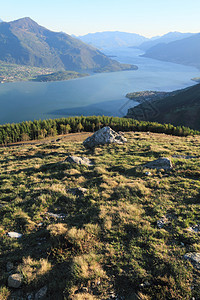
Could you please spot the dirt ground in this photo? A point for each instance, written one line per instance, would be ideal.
(70, 137)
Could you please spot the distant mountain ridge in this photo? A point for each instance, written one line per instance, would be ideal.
(25, 42)
(112, 39)
(166, 38)
(185, 51)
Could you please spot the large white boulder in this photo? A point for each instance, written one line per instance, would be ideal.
(103, 136)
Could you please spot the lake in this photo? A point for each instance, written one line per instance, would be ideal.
(99, 94)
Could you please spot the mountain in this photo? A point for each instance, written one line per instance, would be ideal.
(167, 38)
(112, 39)
(185, 51)
(182, 109)
(25, 42)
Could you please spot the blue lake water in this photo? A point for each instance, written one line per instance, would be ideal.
(100, 94)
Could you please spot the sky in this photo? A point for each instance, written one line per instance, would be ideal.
(79, 17)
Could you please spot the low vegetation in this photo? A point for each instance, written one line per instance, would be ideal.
(105, 244)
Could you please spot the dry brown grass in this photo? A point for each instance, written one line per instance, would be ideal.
(32, 270)
(57, 229)
(87, 267)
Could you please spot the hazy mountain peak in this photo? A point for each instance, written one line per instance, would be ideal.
(112, 39)
(166, 38)
(25, 22)
(25, 42)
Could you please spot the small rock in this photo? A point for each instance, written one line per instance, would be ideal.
(56, 216)
(163, 221)
(148, 173)
(15, 280)
(13, 234)
(79, 160)
(182, 244)
(30, 296)
(194, 257)
(9, 266)
(161, 163)
(40, 224)
(194, 229)
(103, 136)
(41, 293)
(147, 283)
(78, 191)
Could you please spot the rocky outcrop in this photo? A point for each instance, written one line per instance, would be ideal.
(103, 136)
(79, 160)
(160, 163)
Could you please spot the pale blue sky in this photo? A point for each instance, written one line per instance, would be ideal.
(146, 17)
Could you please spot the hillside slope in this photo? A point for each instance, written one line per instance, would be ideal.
(182, 109)
(185, 51)
(125, 235)
(25, 42)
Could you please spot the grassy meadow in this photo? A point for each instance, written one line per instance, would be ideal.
(104, 243)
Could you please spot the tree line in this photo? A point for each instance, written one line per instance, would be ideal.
(38, 129)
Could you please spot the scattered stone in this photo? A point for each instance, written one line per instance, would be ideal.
(79, 160)
(40, 224)
(163, 221)
(15, 280)
(103, 136)
(56, 216)
(160, 163)
(9, 266)
(194, 257)
(30, 296)
(41, 293)
(194, 229)
(147, 283)
(78, 191)
(148, 173)
(13, 234)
